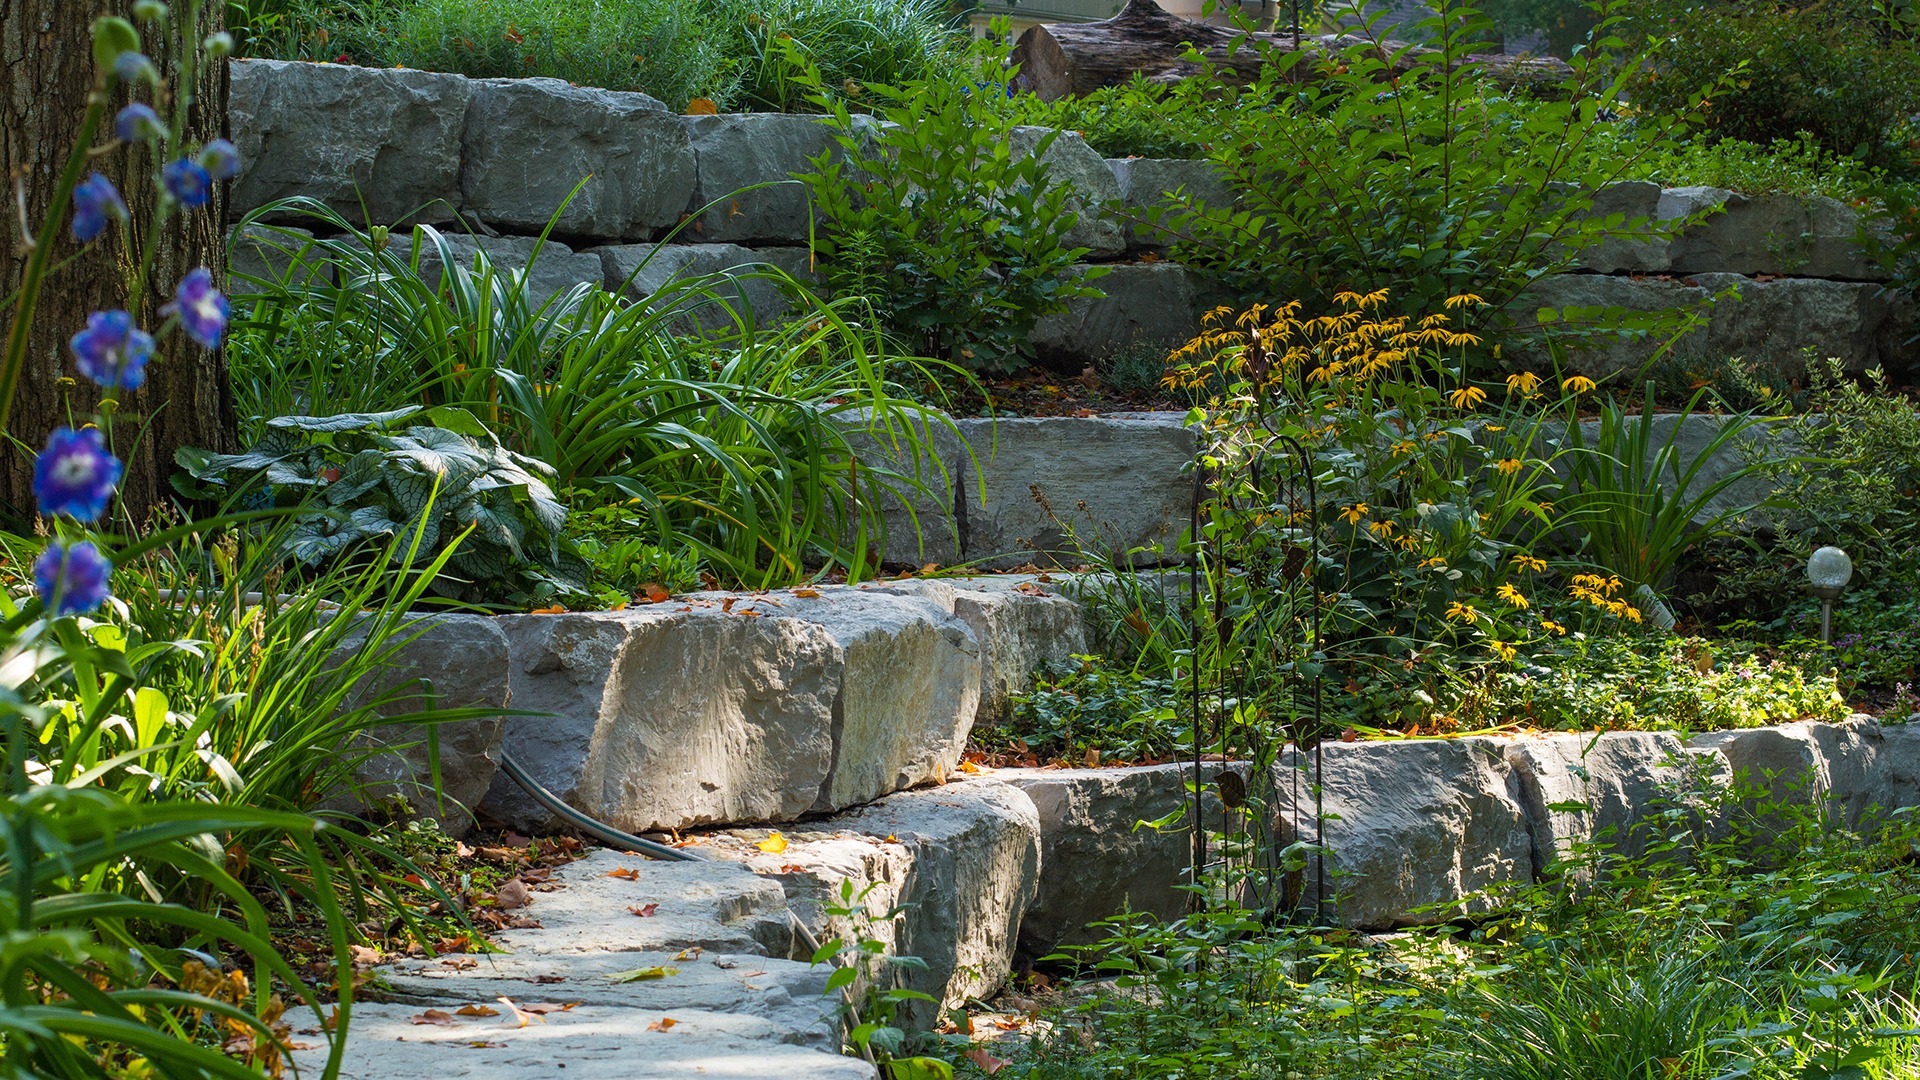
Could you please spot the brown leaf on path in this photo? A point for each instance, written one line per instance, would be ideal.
(645, 911)
(513, 894)
(727, 605)
(987, 1062)
(459, 963)
(542, 1008)
(476, 1010)
(807, 594)
(702, 107)
(435, 1017)
(624, 873)
(547, 980)
(363, 955)
(523, 1016)
(662, 1024)
(482, 1044)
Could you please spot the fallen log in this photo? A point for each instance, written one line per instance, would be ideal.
(1073, 59)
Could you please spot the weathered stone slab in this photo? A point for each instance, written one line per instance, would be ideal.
(1410, 824)
(1627, 250)
(442, 662)
(1619, 778)
(736, 151)
(1146, 183)
(529, 142)
(920, 512)
(1118, 483)
(751, 281)
(662, 718)
(720, 709)
(1074, 165)
(1020, 621)
(963, 859)
(381, 144)
(276, 254)
(1834, 771)
(1097, 859)
(1144, 305)
(712, 905)
(1769, 324)
(1803, 236)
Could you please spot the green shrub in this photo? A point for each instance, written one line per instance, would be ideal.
(850, 42)
(1797, 166)
(1354, 174)
(954, 239)
(1847, 72)
(1135, 119)
(1086, 705)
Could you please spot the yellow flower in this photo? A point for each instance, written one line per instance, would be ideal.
(1512, 596)
(1466, 397)
(1629, 612)
(1509, 466)
(1501, 648)
(1428, 564)
(1526, 382)
(1381, 528)
(1403, 447)
(1549, 624)
(1354, 513)
(1460, 612)
(1463, 300)
(1578, 384)
(1529, 562)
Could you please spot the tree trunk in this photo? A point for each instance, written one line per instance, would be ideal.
(1068, 59)
(187, 401)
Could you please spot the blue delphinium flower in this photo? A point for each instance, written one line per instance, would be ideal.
(111, 352)
(135, 67)
(203, 311)
(72, 580)
(221, 159)
(75, 475)
(138, 122)
(95, 199)
(188, 181)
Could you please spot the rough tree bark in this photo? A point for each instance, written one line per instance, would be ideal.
(1067, 59)
(187, 401)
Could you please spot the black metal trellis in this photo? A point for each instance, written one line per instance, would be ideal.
(1254, 612)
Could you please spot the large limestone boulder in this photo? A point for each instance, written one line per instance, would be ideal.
(1021, 622)
(960, 862)
(1581, 789)
(530, 142)
(1803, 236)
(1074, 165)
(550, 268)
(276, 254)
(1117, 482)
(1627, 248)
(762, 151)
(720, 709)
(439, 663)
(1143, 305)
(1146, 183)
(1409, 824)
(388, 139)
(1830, 772)
(1097, 858)
(1768, 323)
(919, 507)
(754, 283)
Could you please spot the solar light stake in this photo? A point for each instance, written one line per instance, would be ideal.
(1828, 572)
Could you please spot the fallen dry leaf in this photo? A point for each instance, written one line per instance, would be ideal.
(363, 955)
(542, 1008)
(646, 911)
(625, 873)
(555, 609)
(547, 980)
(987, 1062)
(643, 974)
(807, 594)
(793, 868)
(774, 844)
(1092, 757)
(662, 1024)
(476, 1010)
(689, 954)
(702, 107)
(482, 1044)
(969, 767)
(435, 1017)
(524, 1017)
(459, 963)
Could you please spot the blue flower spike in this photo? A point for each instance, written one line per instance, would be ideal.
(75, 475)
(73, 580)
(221, 159)
(188, 182)
(111, 352)
(202, 310)
(139, 123)
(95, 200)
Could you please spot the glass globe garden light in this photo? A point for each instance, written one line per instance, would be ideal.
(1828, 572)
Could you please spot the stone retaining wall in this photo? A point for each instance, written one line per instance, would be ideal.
(501, 155)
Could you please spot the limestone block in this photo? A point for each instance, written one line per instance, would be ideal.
(1074, 165)
(1143, 305)
(737, 151)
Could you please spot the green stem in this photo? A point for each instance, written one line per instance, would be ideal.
(29, 296)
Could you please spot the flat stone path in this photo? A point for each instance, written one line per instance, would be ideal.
(721, 1005)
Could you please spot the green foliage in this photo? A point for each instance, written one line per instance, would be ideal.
(731, 52)
(1568, 25)
(1639, 500)
(1682, 684)
(441, 482)
(867, 980)
(735, 438)
(1355, 174)
(1843, 71)
(1088, 705)
(1791, 166)
(953, 238)
(624, 564)
(1135, 119)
